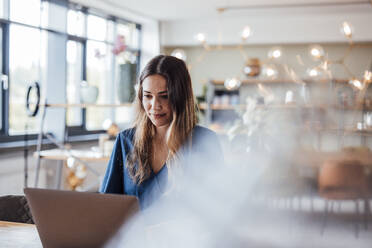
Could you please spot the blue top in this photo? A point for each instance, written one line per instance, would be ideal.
(205, 149)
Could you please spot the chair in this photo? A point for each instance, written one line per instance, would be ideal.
(343, 180)
(15, 209)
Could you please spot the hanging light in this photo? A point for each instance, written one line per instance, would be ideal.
(179, 53)
(246, 32)
(270, 71)
(232, 83)
(347, 29)
(275, 53)
(313, 72)
(368, 76)
(356, 83)
(316, 52)
(70, 162)
(81, 172)
(200, 37)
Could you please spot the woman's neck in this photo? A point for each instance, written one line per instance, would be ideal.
(161, 133)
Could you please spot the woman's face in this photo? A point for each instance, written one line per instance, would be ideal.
(155, 100)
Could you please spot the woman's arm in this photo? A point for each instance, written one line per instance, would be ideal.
(113, 181)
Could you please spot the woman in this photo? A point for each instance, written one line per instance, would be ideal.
(165, 134)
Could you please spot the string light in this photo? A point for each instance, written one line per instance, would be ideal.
(314, 72)
(200, 37)
(356, 83)
(246, 32)
(275, 53)
(347, 29)
(179, 53)
(316, 51)
(232, 83)
(368, 76)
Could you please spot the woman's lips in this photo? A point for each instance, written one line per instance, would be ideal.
(157, 116)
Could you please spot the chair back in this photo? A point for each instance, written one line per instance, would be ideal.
(342, 178)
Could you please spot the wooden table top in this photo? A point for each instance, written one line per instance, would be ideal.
(85, 155)
(14, 234)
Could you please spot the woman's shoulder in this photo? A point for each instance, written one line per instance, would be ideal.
(202, 131)
(127, 134)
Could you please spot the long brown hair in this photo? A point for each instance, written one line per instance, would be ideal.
(181, 98)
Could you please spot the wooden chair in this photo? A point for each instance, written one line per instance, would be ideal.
(343, 180)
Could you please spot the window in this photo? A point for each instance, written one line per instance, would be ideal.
(31, 32)
(75, 22)
(24, 69)
(101, 67)
(25, 11)
(74, 77)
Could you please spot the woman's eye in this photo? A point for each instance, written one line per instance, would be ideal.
(164, 96)
(147, 96)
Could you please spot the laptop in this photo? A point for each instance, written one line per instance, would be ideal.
(78, 219)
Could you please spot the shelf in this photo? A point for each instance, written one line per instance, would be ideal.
(204, 106)
(58, 154)
(85, 105)
(281, 81)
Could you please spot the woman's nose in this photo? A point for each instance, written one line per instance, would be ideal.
(156, 103)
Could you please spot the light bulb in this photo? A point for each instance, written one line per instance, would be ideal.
(275, 53)
(347, 29)
(368, 76)
(232, 83)
(179, 53)
(246, 32)
(81, 172)
(356, 83)
(106, 124)
(316, 51)
(200, 37)
(71, 162)
(270, 71)
(313, 72)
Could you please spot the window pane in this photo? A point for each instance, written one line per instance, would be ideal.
(1, 86)
(99, 70)
(24, 70)
(25, 11)
(126, 68)
(75, 22)
(2, 9)
(130, 32)
(110, 31)
(96, 28)
(135, 38)
(53, 16)
(74, 78)
(124, 30)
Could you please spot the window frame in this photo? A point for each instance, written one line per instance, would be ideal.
(73, 133)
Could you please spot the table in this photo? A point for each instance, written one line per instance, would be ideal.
(84, 155)
(13, 234)
(62, 155)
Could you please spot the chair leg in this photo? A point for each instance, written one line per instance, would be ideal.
(325, 215)
(357, 218)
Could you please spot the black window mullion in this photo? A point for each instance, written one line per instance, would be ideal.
(5, 71)
(84, 111)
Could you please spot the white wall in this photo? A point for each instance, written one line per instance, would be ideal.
(271, 26)
(150, 27)
(222, 64)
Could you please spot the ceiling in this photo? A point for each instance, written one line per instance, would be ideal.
(168, 10)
